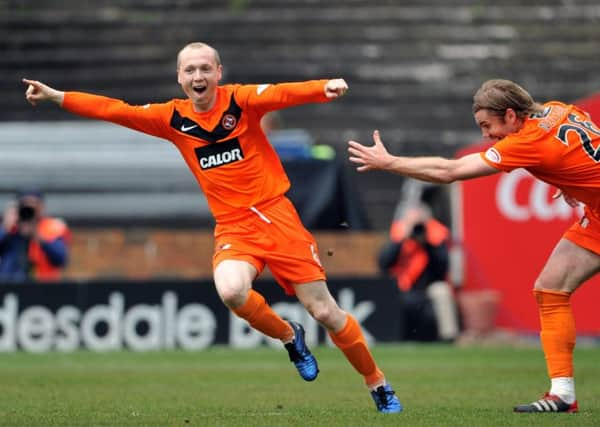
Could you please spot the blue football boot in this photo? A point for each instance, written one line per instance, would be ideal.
(386, 400)
(305, 362)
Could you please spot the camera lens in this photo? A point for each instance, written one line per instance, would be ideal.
(26, 213)
(418, 230)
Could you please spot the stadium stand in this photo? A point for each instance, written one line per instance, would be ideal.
(412, 67)
(98, 174)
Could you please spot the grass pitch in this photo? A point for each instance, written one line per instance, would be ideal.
(438, 386)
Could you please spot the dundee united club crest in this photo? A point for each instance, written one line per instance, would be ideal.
(229, 121)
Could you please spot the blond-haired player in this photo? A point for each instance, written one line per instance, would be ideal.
(558, 144)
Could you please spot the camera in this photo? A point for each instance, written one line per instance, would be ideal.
(418, 231)
(26, 213)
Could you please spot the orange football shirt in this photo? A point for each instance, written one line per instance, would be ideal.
(225, 148)
(560, 146)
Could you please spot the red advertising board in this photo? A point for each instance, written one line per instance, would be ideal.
(508, 225)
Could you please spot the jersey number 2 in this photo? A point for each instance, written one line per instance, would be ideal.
(583, 129)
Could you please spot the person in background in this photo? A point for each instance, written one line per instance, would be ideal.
(417, 256)
(558, 144)
(271, 122)
(289, 143)
(33, 246)
(217, 130)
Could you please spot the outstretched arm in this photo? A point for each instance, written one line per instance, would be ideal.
(270, 97)
(38, 92)
(152, 119)
(431, 169)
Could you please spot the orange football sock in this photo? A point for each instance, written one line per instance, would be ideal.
(352, 343)
(557, 331)
(261, 317)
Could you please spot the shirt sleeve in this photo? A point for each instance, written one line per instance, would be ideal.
(56, 251)
(513, 152)
(269, 97)
(151, 119)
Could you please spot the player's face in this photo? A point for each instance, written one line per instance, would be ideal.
(494, 127)
(199, 74)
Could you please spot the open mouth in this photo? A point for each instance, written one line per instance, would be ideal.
(199, 89)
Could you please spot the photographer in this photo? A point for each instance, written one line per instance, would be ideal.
(417, 256)
(32, 245)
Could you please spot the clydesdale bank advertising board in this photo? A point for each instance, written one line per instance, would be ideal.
(107, 316)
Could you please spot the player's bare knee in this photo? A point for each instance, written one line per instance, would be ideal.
(232, 296)
(328, 315)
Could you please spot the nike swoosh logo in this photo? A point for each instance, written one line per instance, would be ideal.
(185, 128)
(262, 88)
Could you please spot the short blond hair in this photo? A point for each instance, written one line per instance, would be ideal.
(199, 45)
(498, 95)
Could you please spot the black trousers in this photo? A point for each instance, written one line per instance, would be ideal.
(417, 318)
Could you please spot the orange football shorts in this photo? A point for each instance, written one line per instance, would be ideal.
(586, 232)
(271, 234)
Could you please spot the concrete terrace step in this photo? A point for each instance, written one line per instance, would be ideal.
(412, 66)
